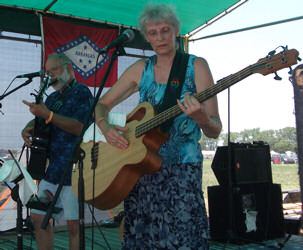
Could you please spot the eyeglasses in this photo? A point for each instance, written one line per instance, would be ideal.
(153, 34)
(54, 69)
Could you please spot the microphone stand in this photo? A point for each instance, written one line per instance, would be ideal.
(78, 155)
(29, 80)
(230, 221)
(15, 197)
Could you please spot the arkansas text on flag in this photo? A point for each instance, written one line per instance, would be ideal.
(81, 44)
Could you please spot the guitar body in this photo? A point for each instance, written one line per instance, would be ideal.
(118, 170)
(38, 157)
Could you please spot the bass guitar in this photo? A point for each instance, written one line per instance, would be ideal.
(117, 171)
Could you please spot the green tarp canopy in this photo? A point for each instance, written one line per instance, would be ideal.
(21, 15)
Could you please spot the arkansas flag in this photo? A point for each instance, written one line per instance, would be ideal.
(81, 44)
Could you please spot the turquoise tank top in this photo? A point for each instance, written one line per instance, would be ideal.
(184, 134)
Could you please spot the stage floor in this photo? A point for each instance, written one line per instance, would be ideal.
(108, 238)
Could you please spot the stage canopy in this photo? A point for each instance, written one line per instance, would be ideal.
(21, 16)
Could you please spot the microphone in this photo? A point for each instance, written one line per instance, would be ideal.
(31, 75)
(127, 36)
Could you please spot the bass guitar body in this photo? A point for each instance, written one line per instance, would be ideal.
(118, 170)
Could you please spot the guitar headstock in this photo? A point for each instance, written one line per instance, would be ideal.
(273, 63)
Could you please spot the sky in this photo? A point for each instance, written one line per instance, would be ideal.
(257, 101)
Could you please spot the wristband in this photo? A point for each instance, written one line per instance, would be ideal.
(100, 120)
(51, 114)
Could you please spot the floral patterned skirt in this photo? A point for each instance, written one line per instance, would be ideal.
(166, 210)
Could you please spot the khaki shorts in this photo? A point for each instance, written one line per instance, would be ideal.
(66, 200)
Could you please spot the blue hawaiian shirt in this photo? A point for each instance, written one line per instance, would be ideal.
(77, 106)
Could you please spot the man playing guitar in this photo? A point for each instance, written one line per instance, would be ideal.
(65, 111)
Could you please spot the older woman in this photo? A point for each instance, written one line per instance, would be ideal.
(166, 209)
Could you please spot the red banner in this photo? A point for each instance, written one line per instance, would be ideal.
(82, 45)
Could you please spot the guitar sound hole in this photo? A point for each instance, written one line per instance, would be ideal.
(138, 115)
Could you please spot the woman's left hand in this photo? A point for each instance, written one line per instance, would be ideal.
(193, 108)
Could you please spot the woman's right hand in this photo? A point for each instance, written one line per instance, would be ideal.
(112, 135)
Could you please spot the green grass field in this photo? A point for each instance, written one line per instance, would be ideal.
(286, 175)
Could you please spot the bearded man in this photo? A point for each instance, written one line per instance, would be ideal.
(65, 111)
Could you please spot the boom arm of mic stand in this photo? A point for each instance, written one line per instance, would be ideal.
(22, 85)
(49, 212)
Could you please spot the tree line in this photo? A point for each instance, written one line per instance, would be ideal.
(280, 141)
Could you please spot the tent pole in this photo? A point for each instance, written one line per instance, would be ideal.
(185, 39)
(248, 28)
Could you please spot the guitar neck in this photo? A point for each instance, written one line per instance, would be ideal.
(201, 97)
(223, 84)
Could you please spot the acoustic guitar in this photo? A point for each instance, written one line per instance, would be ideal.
(117, 171)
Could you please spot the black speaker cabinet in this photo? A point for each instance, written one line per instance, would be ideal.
(264, 200)
(250, 163)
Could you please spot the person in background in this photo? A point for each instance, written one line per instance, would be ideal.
(166, 210)
(296, 77)
(65, 110)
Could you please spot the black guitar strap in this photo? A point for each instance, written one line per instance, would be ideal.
(174, 86)
(55, 107)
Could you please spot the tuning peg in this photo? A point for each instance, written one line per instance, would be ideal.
(290, 71)
(271, 53)
(299, 59)
(278, 78)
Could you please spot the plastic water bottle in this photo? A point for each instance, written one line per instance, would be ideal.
(46, 196)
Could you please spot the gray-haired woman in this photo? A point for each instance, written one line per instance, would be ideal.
(166, 210)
